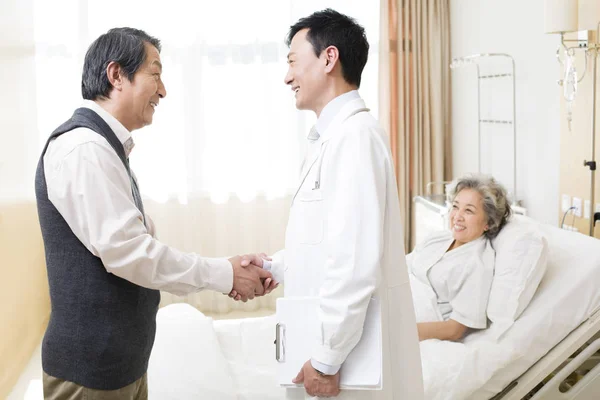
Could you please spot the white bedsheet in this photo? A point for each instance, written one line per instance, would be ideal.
(479, 368)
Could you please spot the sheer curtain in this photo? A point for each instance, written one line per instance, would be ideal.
(219, 163)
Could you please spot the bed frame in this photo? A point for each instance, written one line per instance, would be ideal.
(585, 341)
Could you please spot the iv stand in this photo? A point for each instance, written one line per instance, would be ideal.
(592, 164)
(591, 50)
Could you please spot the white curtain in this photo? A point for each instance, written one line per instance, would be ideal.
(219, 162)
(214, 229)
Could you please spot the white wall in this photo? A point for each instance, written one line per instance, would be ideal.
(514, 27)
(18, 120)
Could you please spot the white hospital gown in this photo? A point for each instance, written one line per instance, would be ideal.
(460, 278)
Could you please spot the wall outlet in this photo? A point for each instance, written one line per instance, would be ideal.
(566, 202)
(597, 208)
(587, 205)
(578, 207)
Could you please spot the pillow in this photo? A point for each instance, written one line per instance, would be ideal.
(521, 261)
(186, 360)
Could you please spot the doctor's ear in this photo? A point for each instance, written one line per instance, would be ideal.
(332, 55)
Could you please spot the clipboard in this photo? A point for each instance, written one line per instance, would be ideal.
(297, 331)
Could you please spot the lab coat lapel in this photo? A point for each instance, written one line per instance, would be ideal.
(351, 108)
(308, 166)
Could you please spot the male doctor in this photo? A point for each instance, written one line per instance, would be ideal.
(344, 236)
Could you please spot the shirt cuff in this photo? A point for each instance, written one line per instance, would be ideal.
(266, 265)
(220, 275)
(325, 368)
(325, 355)
(277, 267)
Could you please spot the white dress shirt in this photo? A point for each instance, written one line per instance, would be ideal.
(90, 188)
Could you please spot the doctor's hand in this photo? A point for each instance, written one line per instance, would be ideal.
(248, 280)
(269, 284)
(316, 384)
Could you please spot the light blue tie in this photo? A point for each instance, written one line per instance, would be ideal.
(313, 134)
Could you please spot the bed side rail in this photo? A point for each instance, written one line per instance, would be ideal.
(589, 384)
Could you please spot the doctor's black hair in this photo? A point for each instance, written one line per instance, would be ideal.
(331, 28)
(125, 46)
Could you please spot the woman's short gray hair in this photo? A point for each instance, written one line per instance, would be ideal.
(495, 201)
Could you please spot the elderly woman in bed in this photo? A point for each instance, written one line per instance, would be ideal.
(456, 267)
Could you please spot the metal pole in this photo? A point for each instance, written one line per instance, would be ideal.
(478, 121)
(514, 119)
(593, 133)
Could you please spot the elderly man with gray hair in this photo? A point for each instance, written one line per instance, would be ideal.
(459, 264)
(105, 264)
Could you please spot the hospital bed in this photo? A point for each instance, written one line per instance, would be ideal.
(557, 334)
(560, 329)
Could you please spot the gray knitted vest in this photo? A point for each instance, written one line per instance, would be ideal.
(102, 327)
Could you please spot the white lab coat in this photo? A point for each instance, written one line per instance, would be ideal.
(344, 244)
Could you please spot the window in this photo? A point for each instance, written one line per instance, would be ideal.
(228, 125)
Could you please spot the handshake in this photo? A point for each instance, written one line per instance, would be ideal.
(249, 277)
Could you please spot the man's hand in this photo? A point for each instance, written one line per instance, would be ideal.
(248, 278)
(316, 384)
(269, 284)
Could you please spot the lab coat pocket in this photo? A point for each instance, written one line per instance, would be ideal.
(311, 214)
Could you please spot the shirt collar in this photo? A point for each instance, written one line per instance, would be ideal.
(120, 131)
(333, 108)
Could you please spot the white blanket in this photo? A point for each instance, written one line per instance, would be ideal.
(235, 359)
